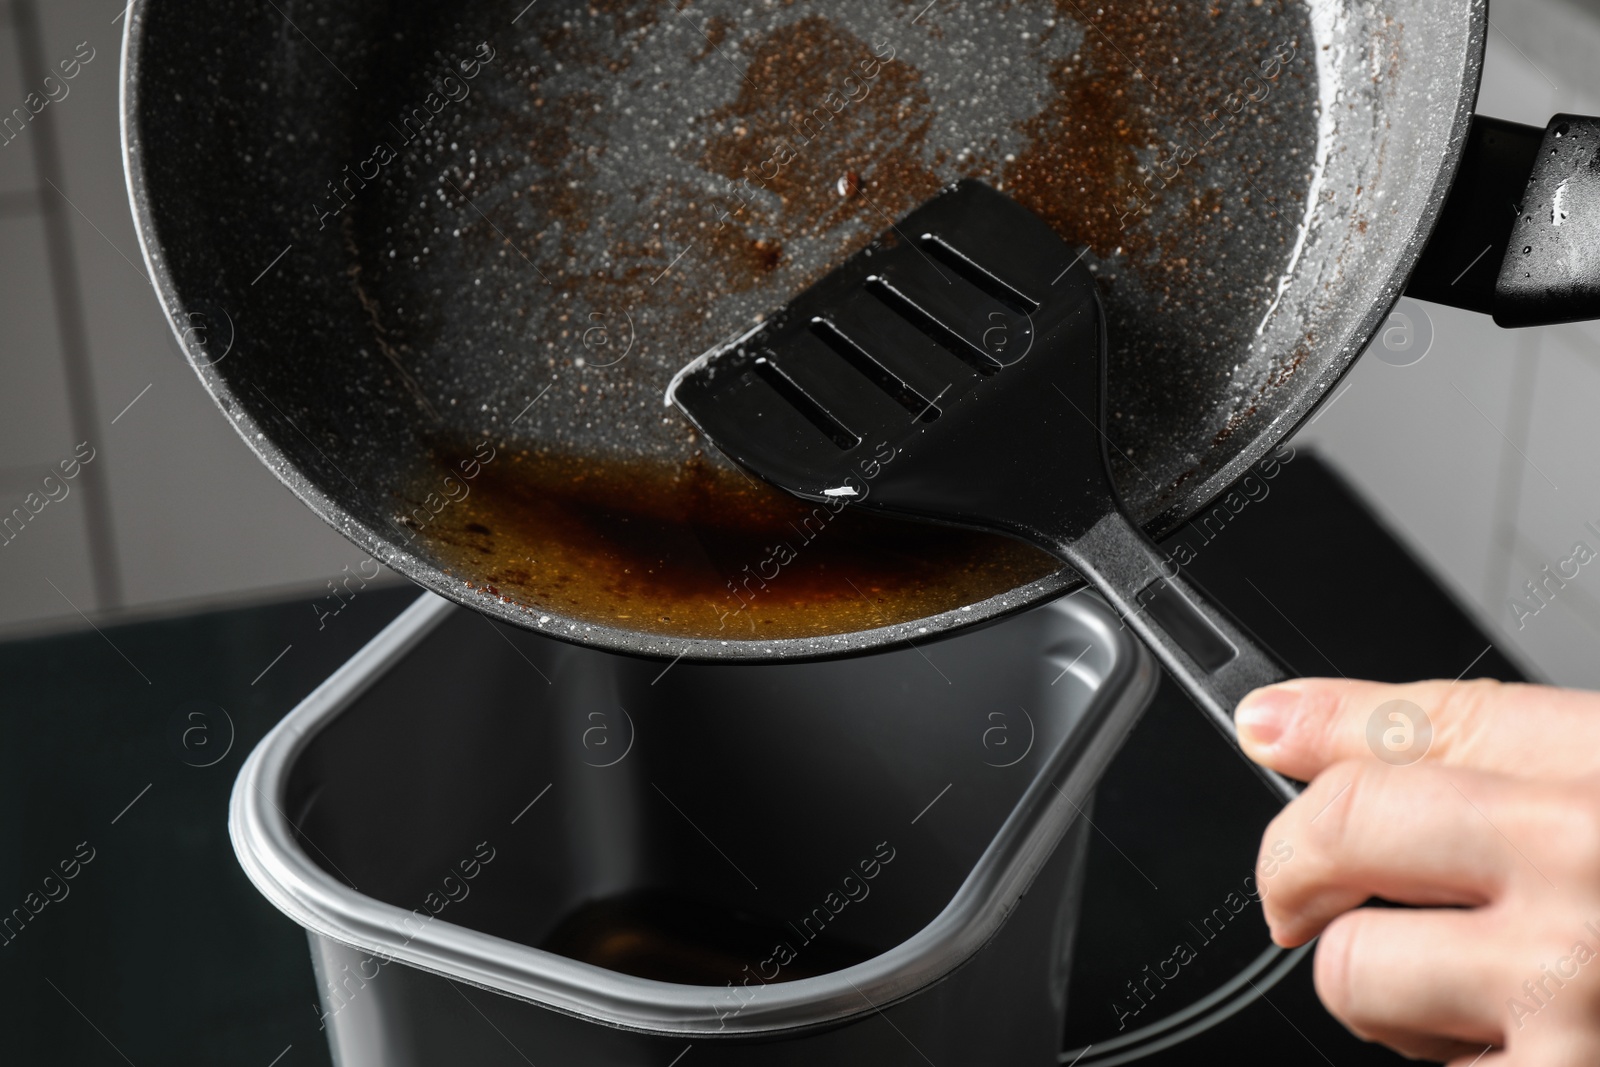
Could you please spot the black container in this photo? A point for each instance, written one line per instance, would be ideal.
(510, 850)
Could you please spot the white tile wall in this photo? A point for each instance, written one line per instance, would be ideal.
(1411, 437)
(189, 514)
(34, 424)
(45, 568)
(16, 156)
(1488, 496)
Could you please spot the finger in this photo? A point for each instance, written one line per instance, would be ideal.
(1414, 835)
(1414, 977)
(1300, 727)
(1572, 1045)
(1433, 1049)
(1487, 1056)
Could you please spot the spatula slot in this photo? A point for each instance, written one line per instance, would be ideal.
(897, 389)
(929, 324)
(804, 403)
(977, 275)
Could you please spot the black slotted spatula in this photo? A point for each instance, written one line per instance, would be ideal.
(953, 371)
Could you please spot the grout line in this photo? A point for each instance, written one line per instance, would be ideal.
(1508, 487)
(67, 293)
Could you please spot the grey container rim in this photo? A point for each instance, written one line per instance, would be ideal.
(263, 840)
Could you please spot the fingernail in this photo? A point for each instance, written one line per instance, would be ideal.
(1264, 715)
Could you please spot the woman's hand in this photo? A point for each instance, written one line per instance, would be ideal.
(1477, 802)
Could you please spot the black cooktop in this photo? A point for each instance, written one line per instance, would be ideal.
(122, 745)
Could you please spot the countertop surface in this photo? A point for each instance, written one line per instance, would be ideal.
(121, 745)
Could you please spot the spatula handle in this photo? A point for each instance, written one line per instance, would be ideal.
(1215, 659)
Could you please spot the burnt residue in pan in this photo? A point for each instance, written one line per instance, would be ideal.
(698, 550)
(772, 133)
(630, 183)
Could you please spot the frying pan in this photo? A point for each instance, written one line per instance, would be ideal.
(436, 263)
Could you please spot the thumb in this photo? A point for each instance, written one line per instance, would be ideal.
(1300, 727)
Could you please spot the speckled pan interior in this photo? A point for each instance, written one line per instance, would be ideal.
(411, 248)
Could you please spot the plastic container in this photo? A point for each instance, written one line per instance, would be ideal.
(511, 850)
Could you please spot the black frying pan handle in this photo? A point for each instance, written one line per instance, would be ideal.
(1214, 658)
(1519, 235)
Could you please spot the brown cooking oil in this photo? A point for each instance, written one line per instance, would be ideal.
(660, 935)
(699, 550)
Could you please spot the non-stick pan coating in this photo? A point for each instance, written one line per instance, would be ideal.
(518, 269)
